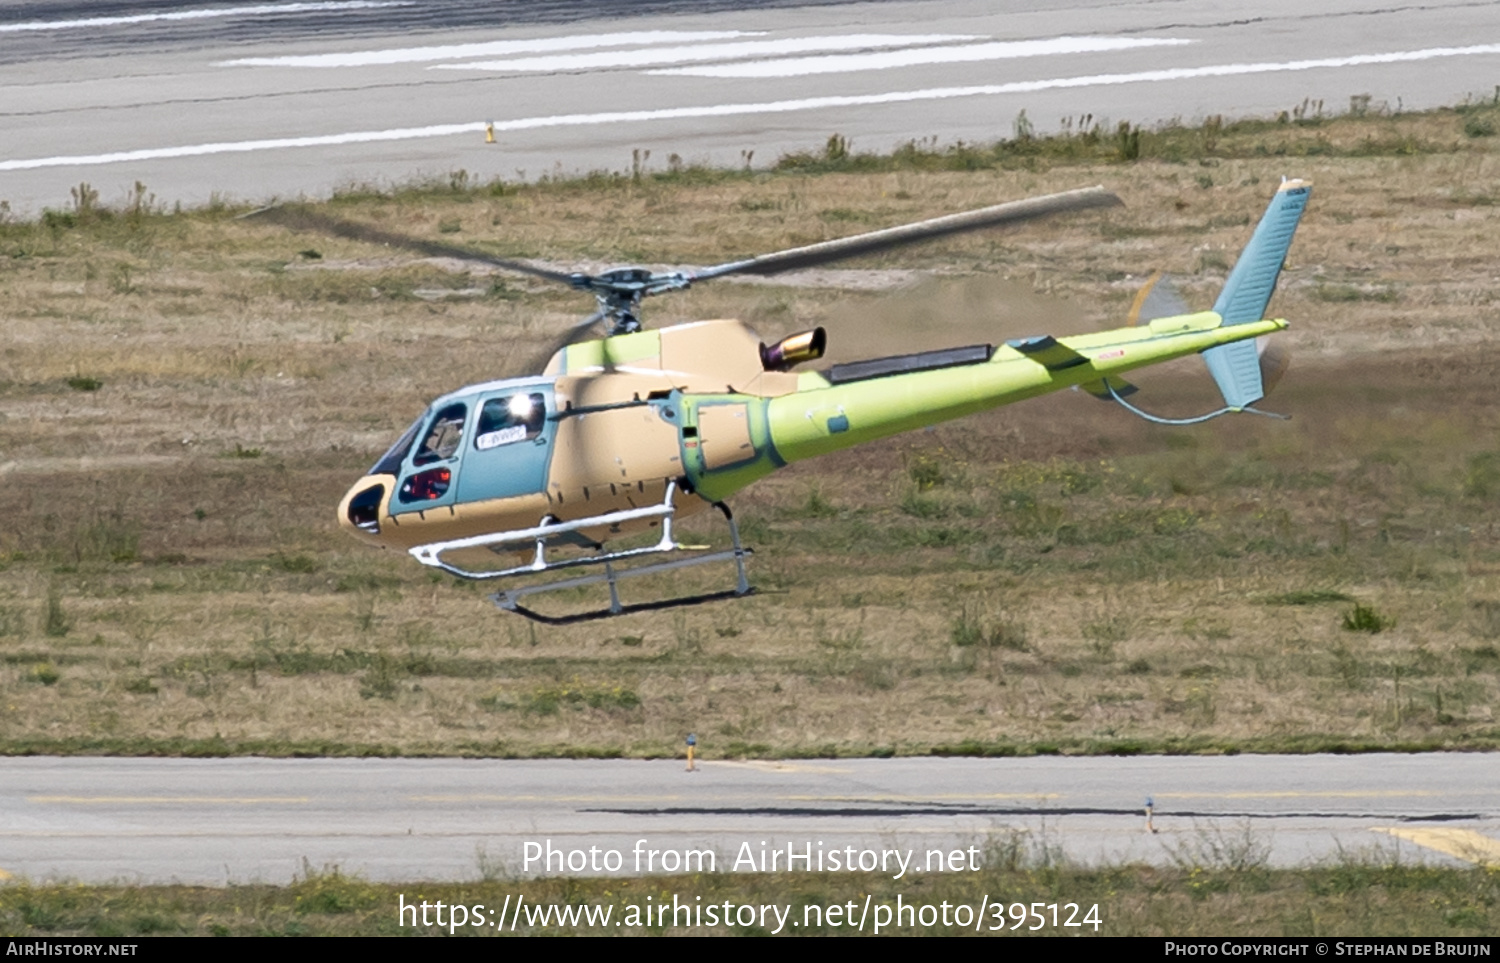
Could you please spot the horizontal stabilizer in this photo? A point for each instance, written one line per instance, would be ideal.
(1101, 389)
(1049, 352)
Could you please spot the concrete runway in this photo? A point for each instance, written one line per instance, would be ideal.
(243, 820)
(254, 100)
(196, 99)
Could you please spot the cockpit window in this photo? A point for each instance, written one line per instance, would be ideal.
(390, 462)
(443, 437)
(503, 421)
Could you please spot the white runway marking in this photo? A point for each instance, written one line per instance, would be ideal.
(734, 110)
(498, 48)
(722, 51)
(971, 53)
(243, 146)
(256, 10)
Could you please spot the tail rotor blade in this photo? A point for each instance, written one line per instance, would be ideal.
(1275, 358)
(1157, 298)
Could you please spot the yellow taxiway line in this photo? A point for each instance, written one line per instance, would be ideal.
(1463, 844)
(774, 766)
(169, 800)
(491, 797)
(932, 797)
(1298, 794)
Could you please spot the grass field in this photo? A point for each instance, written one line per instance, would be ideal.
(184, 396)
(1349, 899)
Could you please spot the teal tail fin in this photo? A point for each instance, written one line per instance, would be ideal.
(1236, 367)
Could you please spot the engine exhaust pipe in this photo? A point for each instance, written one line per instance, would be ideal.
(794, 349)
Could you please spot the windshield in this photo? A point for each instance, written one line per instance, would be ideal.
(390, 462)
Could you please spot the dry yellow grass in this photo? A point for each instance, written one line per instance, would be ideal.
(1051, 575)
(1355, 898)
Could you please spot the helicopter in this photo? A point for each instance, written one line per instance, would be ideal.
(512, 480)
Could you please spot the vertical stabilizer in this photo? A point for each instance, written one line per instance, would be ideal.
(1236, 367)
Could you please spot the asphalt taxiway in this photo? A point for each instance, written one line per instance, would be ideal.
(242, 820)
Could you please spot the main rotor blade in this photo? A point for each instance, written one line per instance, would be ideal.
(573, 335)
(1013, 212)
(301, 219)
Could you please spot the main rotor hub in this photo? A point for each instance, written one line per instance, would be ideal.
(619, 293)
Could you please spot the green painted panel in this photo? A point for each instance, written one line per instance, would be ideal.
(621, 349)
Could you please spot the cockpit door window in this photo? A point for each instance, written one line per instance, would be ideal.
(428, 481)
(444, 436)
(505, 421)
(512, 446)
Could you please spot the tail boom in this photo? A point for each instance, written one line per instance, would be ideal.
(816, 420)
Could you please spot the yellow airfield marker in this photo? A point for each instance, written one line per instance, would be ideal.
(1463, 844)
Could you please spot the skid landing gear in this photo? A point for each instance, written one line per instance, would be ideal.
(509, 599)
(552, 531)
